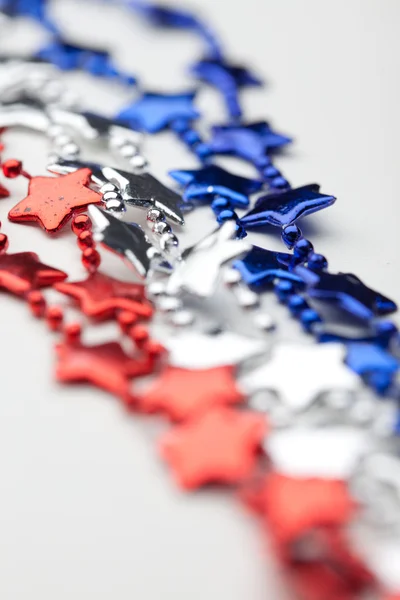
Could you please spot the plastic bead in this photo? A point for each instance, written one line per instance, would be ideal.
(12, 168)
(220, 204)
(302, 248)
(317, 262)
(126, 320)
(308, 317)
(290, 235)
(191, 137)
(297, 304)
(279, 182)
(226, 215)
(91, 259)
(202, 150)
(81, 223)
(3, 243)
(85, 239)
(139, 334)
(54, 318)
(180, 126)
(283, 289)
(240, 231)
(72, 333)
(37, 303)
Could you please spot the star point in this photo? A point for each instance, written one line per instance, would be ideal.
(22, 272)
(260, 267)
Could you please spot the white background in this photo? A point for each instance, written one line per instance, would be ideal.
(87, 511)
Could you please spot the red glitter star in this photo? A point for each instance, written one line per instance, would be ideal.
(51, 201)
(182, 393)
(106, 366)
(294, 506)
(101, 296)
(219, 446)
(23, 272)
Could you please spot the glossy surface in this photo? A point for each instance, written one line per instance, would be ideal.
(260, 267)
(23, 272)
(286, 207)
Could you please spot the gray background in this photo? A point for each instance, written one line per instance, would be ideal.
(87, 510)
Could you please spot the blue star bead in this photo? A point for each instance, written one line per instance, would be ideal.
(227, 78)
(374, 364)
(346, 291)
(250, 142)
(260, 267)
(211, 181)
(69, 57)
(172, 18)
(286, 207)
(154, 112)
(35, 9)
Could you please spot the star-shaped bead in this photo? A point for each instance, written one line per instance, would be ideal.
(126, 239)
(67, 57)
(206, 183)
(154, 112)
(106, 366)
(22, 272)
(347, 292)
(101, 296)
(376, 365)
(196, 350)
(286, 207)
(219, 446)
(184, 393)
(260, 267)
(51, 201)
(299, 373)
(250, 141)
(91, 125)
(200, 266)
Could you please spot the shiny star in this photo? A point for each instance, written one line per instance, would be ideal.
(377, 366)
(23, 272)
(196, 350)
(154, 112)
(298, 374)
(91, 125)
(106, 366)
(260, 267)
(199, 269)
(206, 183)
(184, 393)
(250, 142)
(347, 292)
(286, 207)
(219, 446)
(126, 239)
(67, 57)
(24, 113)
(51, 201)
(101, 296)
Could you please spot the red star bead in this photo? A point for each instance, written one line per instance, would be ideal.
(106, 366)
(294, 506)
(22, 272)
(219, 446)
(51, 201)
(182, 393)
(101, 296)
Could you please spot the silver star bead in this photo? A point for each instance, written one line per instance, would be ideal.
(199, 269)
(197, 350)
(26, 115)
(298, 374)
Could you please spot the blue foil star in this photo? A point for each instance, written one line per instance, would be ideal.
(168, 17)
(250, 142)
(35, 9)
(154, 112)
(211, 181)
(286, 207)
(69, 57)
(260, 267)
(374, 364)
(346, 291)
(227, 78)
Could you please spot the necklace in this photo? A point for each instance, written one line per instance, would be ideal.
(242, 401)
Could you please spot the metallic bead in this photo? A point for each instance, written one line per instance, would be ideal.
(169, 304)
(115, 205)
(182, 318)
(128, 150)
(154, 215)
(111, 195)
(70, 150)
(138, 161)
(161, 227)
(156, 288)
(108, 187)
(62, 139)
(169, 243)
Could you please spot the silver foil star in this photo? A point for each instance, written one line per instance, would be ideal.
(199, 269)
(298, 374)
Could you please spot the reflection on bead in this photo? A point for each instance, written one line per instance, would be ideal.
(116, 205)
(139, 334)
(72, 333)
(91, 259)
(161, 227)
(283, 288)
(111, 195)
(138, 161)
(54, 318)
(3, 243)
(169, 244)
(85, 239)
(308, 317)
(317, 262)
(296, 304)
(154, 215)
(81, 223)
(220, 204)
(270, 171)
(202, 150)
(302, 248)
(12, 168)
(279, 182)
(226, 215)
(126, 320)
(290, 235)
(37, 303)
